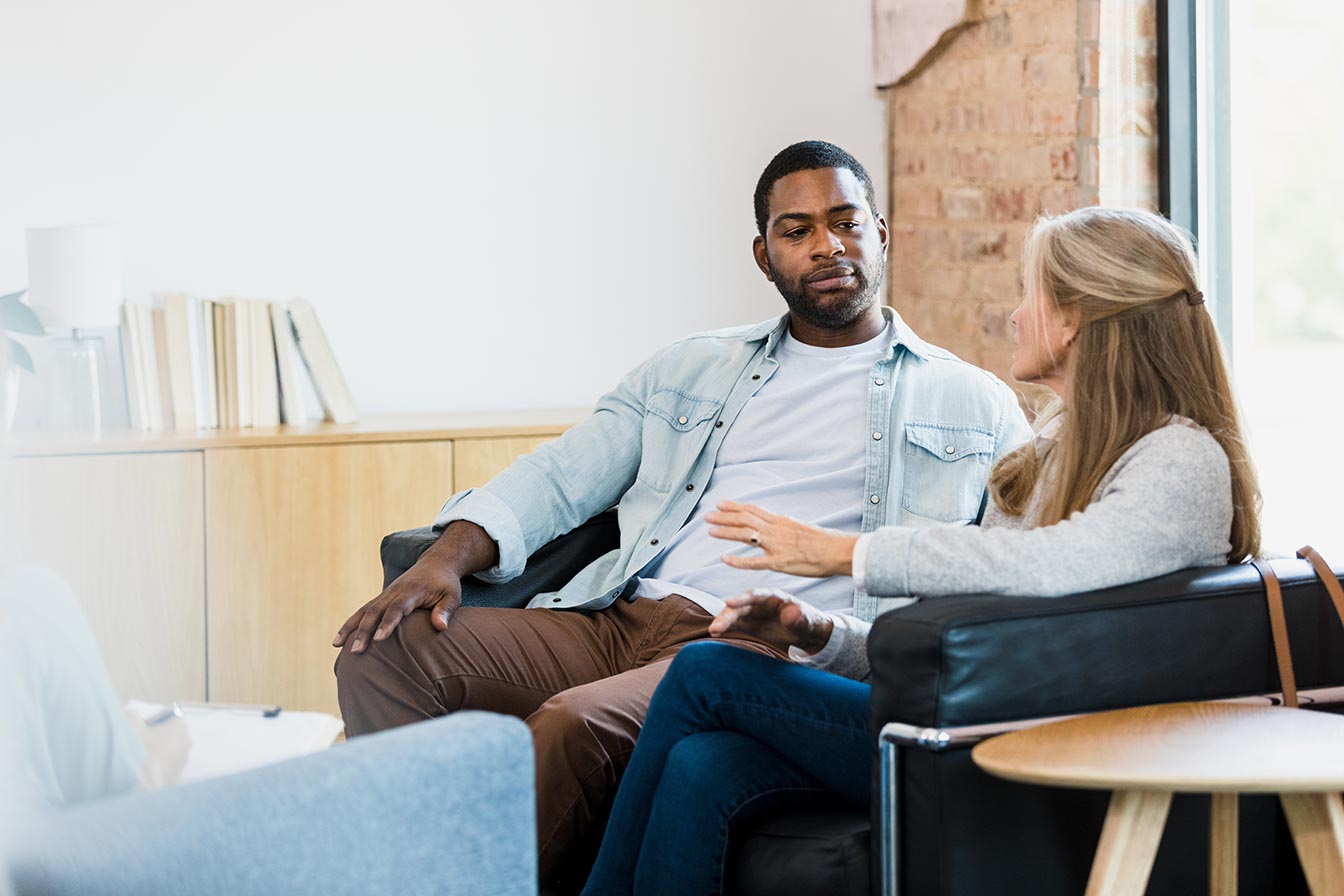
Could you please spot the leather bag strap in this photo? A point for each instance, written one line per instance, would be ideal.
(1328, 579)
(1278, 625)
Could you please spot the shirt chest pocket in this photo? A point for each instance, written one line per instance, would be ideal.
(675, 427)
(945, 470)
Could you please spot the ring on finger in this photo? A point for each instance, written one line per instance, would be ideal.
(755, 539)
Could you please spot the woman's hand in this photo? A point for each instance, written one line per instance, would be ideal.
(167, 746)
(775, 617)
(789, 546)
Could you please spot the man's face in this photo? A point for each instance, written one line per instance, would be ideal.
(824, 248)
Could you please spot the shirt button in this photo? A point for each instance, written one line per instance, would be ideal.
(682, 420)
(874, 499)
(718, 424)
(690, 487)
(555, 600)
(879, 382)
(877, 437)
(755, 376)
(654, 541)
(950, 450)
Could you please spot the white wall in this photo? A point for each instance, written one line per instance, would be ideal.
(490, 204)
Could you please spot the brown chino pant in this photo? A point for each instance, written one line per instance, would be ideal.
(581, 680)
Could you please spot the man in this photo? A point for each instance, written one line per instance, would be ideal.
(835, 414)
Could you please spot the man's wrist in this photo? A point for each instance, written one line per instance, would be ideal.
(462, 548)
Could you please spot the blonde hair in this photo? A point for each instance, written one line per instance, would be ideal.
(1145, 349)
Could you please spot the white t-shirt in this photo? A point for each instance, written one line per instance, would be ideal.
(797, 448)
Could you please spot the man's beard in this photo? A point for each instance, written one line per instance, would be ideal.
(835, 310)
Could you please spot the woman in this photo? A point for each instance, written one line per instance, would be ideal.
(1139, 469)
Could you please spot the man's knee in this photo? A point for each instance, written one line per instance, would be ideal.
(564, 717)
(574, 726)
(395, 665)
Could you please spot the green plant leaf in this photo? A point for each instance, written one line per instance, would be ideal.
(20, 356)
(19, 318)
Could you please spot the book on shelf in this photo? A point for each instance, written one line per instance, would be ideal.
(332, 391)
(177, 346)
(287, 366)
(265, 383)
(242, 362)
(228, 341)
(149, 365)
(227, 363)
(161, 362)
(221, 353)
(203, 362)
(132, 354)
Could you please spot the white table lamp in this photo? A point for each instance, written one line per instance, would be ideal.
(74, 285)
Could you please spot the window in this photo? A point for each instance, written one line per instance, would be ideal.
(1250, 159)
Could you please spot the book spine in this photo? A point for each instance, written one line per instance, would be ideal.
(203, 311)
(243, 361)
(131, 364)
(292, 409)
(161, 365)
(331, 387)
(149, 365)
(222, 391)
(265, 382)
(177, 340)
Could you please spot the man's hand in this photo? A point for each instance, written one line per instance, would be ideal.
(434, 583)
(788, 545)
(775, 617)
(422, 586)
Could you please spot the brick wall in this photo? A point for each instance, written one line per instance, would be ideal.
(1001, 126)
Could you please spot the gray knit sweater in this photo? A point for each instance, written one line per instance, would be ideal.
(1165, 505)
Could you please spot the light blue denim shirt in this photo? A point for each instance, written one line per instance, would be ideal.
(936, 426)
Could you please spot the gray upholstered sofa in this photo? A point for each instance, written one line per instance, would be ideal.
(428, 808)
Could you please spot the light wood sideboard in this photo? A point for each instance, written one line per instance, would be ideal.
(219, 564)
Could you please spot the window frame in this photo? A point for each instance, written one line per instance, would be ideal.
(1194, 141)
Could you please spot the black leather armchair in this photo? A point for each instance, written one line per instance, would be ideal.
(945, 664)
(985, 662)
(815, 849)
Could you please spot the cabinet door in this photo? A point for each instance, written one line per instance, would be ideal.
(476, 461)
(292, 536)
(126, 532)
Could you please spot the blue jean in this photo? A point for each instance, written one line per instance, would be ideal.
(730, 735)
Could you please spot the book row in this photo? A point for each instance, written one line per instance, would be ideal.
(206, 364)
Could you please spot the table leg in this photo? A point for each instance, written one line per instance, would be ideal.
(1129, 840)
(1223, 844)
(1317, 824)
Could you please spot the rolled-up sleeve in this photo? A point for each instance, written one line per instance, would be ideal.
(499, 522)
(846, 651)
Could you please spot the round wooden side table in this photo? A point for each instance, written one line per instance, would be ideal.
(1147, 753)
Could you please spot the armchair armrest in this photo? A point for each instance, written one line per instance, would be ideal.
(553, 564)
(429, 808)
(1192, 635)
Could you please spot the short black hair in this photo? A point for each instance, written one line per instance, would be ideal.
(806, 156)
